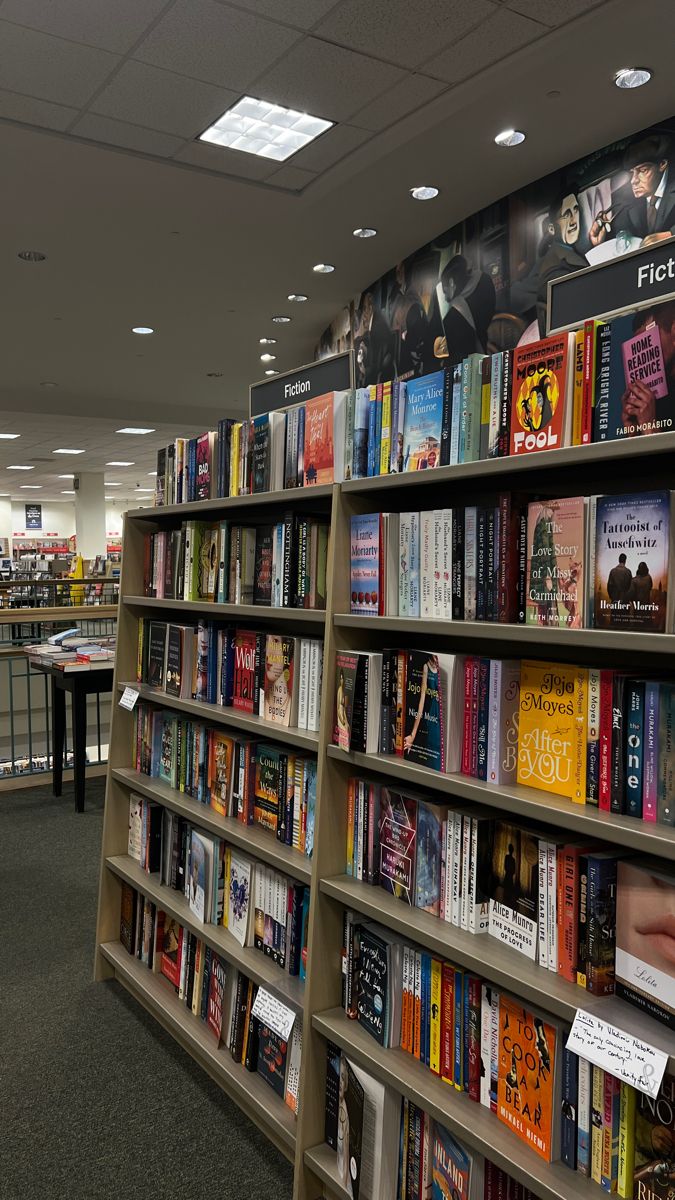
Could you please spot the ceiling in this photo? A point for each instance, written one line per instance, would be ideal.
(100, 105)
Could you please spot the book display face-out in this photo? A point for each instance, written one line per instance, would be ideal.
(387, 814)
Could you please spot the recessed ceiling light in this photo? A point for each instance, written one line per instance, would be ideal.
(31, 487)
(144, 489)
(67, 492)
(19, 467)
(65, 476)
(143, 330)
(365, 232)
(119, 462)
(5, 495)
(108, 497)
(67, 451)
(267, 357)
(266, 129)
(109, 483)
(268, 341)
(297, 297)
(510, 137)
(424, 193)
(323, 268)
(32, 256)
(271, 372)
(119, 484)
(132, 429)
(49, 383)
(9, 437)
(632, 77)
(281, 320)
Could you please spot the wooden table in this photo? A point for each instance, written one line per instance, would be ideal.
(80, 684)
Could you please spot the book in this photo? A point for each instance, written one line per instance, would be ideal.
(633, 535)
(457, 1174)
(423, 426)
(555, 562)
(366, 564)
(633, 388)
(239, 887)
(279, 684)
(318, 451)
(429, 695)
(645, 938)
(654, 1141)
(515, 888)
(272, 1053)
(552, 728)
(398, 851)
(541, 398)
(379, 983)
(528, 1084)
(262, 578)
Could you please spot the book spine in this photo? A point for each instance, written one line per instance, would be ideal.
(414, 564)
(505, 406)
(651, 752)
(617, 798)
(474, 1038)
(597, 1109)
(485, 1032)
(542, 910)
(626, 1153)
(584, 1094)
(458, 564)
(634, 747)
(385, 439)
(588, 382)
(569, 1130)
(603, 349)
(605, 740)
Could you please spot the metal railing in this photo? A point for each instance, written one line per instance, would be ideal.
(58, 593)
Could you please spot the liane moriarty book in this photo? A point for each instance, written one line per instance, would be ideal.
(366, 564)
(632, 560)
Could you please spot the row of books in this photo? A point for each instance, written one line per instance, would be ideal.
(596, 736)
(223, 886)
(565, 390)
(253, 781)
(281, 564)
(601, 562)
(273, 675)
(217, 994)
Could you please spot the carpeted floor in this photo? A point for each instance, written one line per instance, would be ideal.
(96, 1100)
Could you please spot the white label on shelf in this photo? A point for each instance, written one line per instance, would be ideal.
(128, 698)
(512, 929)
(626, 1057)
(272, 1012)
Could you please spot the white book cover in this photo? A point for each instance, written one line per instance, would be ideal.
(456, 420)
(414, 565)
(390, 544)
(503, 723)
(277, 428)
(135, 827)
(479, 911)
(452, 697)
(449, 827)
(201, 876)
(315, 678)
(542, 904)
(303, 685)
(426, 564)
(456, 911)
(470, 562)
(495, 404)
(446, 565)
(240, 884)
(485, 1043)
(404, 536)
(350, 410)
(292, 1092)
(374, 702)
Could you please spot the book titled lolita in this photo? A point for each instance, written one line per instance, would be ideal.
(319, 454)
(423, 427)
(555, 562)
(645, 938)
(541, 401)
(365, 572)
(632, 562)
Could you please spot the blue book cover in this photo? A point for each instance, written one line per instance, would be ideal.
(423, 428)
(364, 580)
(428, 870)
(372, 430)
(425, 1040)
(634, 746)
(361, 424)
(584, 1094)
(568, 1127)
(451, 1167)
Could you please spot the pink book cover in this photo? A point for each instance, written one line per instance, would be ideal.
(203, 467)
(319, 440)
(643, 361)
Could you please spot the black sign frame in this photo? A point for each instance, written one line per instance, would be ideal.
(332, 374)
(33, 516)
(624, 284)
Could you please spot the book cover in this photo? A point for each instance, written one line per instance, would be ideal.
(270, 769)
(355, 1111)
(430, 818)
(244, 682)
(220, 771)
(552, 728)
(555, 562)
(172, 943)
(260, 475)
(262, 576)
(272, 1053)
(365, 564)
(526, 1100)
(655, 1143)
(451, 1167)
(398, 831)
(539, 394)
(128, 916)
(374, 984)
(156, 654)
(239, 897)
(423, 424)
(204, 467)
(278, 688)
(424, 717)
(216, 991)
(645, 939)
(632, 560)
(634, 394)
(197, 889)
(515, 887)
(346, 671)
(318, 461)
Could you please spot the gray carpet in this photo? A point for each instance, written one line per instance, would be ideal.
(96, 1100)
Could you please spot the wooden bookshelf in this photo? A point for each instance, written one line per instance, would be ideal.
(259, 613)
(290, 498)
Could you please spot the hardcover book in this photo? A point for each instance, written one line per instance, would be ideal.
(527, 1101)
(270, 785)
(398, 852)
(214, 1010)
(634, 388)
(366, 564)
(645, 938)
(244, 682)
(541, 400)
(555, 562)
(632, 562)
(172, 944)
(655, 1143)
(279, 687)
(428, 696)
(204, 478)
(514, 893)
(219, 777)
(455, 1171)
(553, 714)
(262, 577)
(319, 453)
(423, 426)
(239, 887)
(156, 654)
(272, 1053)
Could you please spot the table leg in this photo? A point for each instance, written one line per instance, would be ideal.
(79, 744)
(58, 736)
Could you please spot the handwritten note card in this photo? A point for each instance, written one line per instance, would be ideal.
(623, 1055)
(128, 698)
(272, 1012)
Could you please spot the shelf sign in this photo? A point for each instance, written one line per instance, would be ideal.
(626, 1057)
(279, 1017)
(619, 285)
(332, 374)
(33, 516)
(128, 698)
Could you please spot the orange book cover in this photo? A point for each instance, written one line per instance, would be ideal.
(319, 440)
(220, 771)
(526, 1099)
(540, 403)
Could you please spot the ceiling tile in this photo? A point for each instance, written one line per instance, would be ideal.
(229, 162)
(304, 13)
(215, 43)
(496, 38)
(160, 100)
(327, 80)
(35, 64)
(35, 112)
(333, 145)
(401, 31)
(553, 12)
(112, 26)
(404, 98)
(293, 178)
(132, 137)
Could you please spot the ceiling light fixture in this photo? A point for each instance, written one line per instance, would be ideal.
(31, 256)
(143, 330)
(323, 269)
(19, 467)
(297, 297)
(271, 372)
(49, 383)
(65, 476)
(144, 489)
(9, 437)
(119, 463)
(265, 129)
(67, 491)
(365, 232)
(109, 483)
(632, 77)
(30, 487)
(268, 341)
(424, 192)
(132, 429)
(67, 451)
(267, 357)
(281, 320)
(509, 137)
(119, 484)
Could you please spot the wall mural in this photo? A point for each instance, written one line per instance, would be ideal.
(482, 285)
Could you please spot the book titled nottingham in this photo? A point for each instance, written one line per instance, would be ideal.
(423, 426)
(365, 573)
(555, 562)
(540, 405)
(632, 561)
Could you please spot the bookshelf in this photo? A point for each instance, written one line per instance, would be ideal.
(615, 467)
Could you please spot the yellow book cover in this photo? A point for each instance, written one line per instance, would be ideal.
(234, 459)
(226, 902)
(578, 389)
(626, 1141)
(435, 1014)
(597, 1105)
(552, 728)
(385, 443)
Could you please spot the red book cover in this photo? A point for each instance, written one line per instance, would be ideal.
(526, 1093)
(319, 440)
(589, 383)
(466, 728)
(474, 1038)
(172, 950)
(214, 1010)
(605, 739)
(203, 467)
(243, 688)
(447, 1023)
(539, 394)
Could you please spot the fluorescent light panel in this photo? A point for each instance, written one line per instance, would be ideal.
(67, 451)
(265, 129)
(9, 437)
(18, 467)
(119, 463)
(130, 429)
